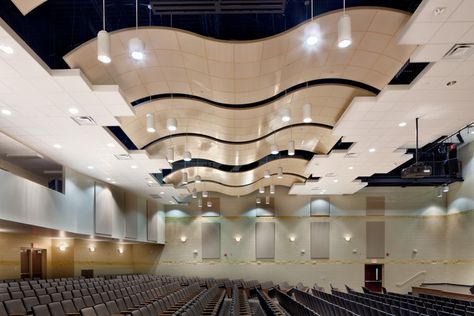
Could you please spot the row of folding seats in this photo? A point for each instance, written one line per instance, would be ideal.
(320, 305)
(293, 307)
(358, 304)
(268, 306)
(405, 304)
(207, 303)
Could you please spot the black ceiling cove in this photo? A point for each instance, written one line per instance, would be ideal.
(248, 184)
(300, 86)
(164, 138)
(408, 73)
(122, 137)
(58, 26)
(197, 162)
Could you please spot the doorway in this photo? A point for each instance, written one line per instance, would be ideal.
(32, 263)
(374, 277)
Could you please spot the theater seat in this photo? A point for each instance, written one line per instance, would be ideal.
(88, 311)
(15, 307)
(40, 310)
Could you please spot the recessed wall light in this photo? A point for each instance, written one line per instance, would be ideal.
(292, 238)
(62, 248)
(6, 49)
(91, 248)
(58, 146)
(402, 124)
(372, 150)
(183, 238)
(6, 112)
(73, 111)
(120, 250)
(237, 238)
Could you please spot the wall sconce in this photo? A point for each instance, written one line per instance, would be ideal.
(195, 251)
(62, 248)
(354, 251)
(237, 238)
(347, 238)
(120, 250)
(303, 251)
(415, 251)
(183, 239)
(292, 238)
(91, 248)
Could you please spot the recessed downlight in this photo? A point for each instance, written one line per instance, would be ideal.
(451, 83)
(73, 111)
(161, 192)
(438, 11)
(372, 150)
(6, 49)
(90, 167)
(6, 112)
(110, 145)
(133, 166)
(58, 146)
(108, 179)
(351, 168)
(335, 180)
(402, 124)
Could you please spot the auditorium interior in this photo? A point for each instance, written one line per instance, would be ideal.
(237, 157)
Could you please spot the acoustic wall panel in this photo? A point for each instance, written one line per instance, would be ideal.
(104, 206)
(375, 206)
(152, 221)
(265, 240)
(320, 240)
(320, 206)
(131, 215)
(211, 240)
(375, 232)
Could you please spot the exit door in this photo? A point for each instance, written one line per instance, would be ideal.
(374, 277)
(33, 263)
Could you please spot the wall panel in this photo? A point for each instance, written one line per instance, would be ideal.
(265, 240)
(211, 240)
(152, 222)
(131, 215)
(375, 232)
(320, 240)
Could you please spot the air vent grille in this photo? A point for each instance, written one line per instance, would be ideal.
(123, 156)
(84, 120)
(460, 51)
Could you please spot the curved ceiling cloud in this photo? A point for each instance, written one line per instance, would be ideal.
(292, 166)
(244, 72)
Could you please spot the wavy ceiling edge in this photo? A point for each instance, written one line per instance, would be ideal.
(302, 24)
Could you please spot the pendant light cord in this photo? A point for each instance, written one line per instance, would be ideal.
(344, 6)
(103, 15)
(136, 15)
(311, 10)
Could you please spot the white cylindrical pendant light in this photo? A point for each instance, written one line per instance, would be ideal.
(136, 48)
(103, 47)
(205, 194)
(170, 155)
(266, 174)
(344, 31)
(261, 190)
(199, 202)
(258, 200)
(280, 173)
(307, 113)
(445, 188)
(171, 124)
(194, 193)
(187, 156)
(274, 149)
(285, 115)
(185, 178)
(150, 123)
(291, 148)
(209, 203)
(197, 179)
(267, 200)
(272, 189)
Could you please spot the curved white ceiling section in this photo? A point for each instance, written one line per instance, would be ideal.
(245, 72)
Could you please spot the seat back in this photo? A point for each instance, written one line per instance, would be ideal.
(29, 302)
(88, 311)
(101, 310)
(68, 307)
(15, 307)
(56, 309)
(40, 310)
